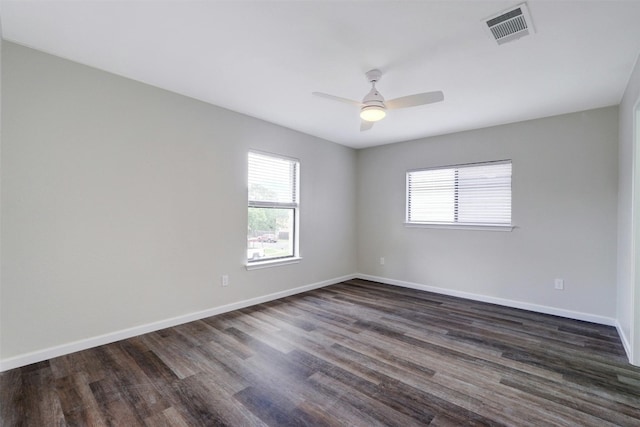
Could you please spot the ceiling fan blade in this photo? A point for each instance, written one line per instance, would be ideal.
(337, 98)
(415, 100)
(365, 125)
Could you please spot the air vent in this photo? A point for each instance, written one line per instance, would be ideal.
(510, 25)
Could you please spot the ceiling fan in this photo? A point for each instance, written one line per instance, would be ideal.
(373, 106)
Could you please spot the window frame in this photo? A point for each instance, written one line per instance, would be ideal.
(455, 224)
(294, 206)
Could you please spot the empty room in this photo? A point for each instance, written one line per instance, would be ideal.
(321, 213)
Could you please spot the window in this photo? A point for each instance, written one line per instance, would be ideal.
(468, 195)
(273, 207)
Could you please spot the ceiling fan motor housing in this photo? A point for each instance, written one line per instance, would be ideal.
(373, 108)
(373, 98)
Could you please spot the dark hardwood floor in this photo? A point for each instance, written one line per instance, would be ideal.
(358, 353)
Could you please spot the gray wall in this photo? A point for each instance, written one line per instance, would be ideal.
(122, 204)
(628, 309)
(564, 208)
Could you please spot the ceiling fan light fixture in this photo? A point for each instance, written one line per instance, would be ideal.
(374, 108)
(372, 113)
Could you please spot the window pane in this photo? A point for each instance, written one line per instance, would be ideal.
(484, 194)
(477, 194)
(272, 179)
(271, 233)
(273, 206)
(431, 196)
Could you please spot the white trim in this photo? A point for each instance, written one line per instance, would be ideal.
(624, 339)
(275, 205)
(273, 263)
(271, 154)
(61, 350)
(634, 358)
(463, 165)
(609, 321)
(459, 226)
(424, 184)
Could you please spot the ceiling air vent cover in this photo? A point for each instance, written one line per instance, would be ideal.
(510, 25)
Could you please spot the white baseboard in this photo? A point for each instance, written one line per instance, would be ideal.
(61, 350)
(625, 341)
(51, 352)
(494, 300)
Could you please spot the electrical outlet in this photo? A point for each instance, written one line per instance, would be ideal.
(381, 260)
(224, 280)
(559, 284)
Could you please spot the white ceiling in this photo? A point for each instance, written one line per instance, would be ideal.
(264, 58)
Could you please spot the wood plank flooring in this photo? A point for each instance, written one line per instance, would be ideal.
(357, 353)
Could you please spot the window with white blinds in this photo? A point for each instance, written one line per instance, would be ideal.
(476, 195)
(272, 206)
(272, 180)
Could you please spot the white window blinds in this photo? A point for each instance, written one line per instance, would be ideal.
(477, 194)
(273, 181)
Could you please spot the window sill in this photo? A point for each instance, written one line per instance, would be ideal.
(273, 263)
(462, 226)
